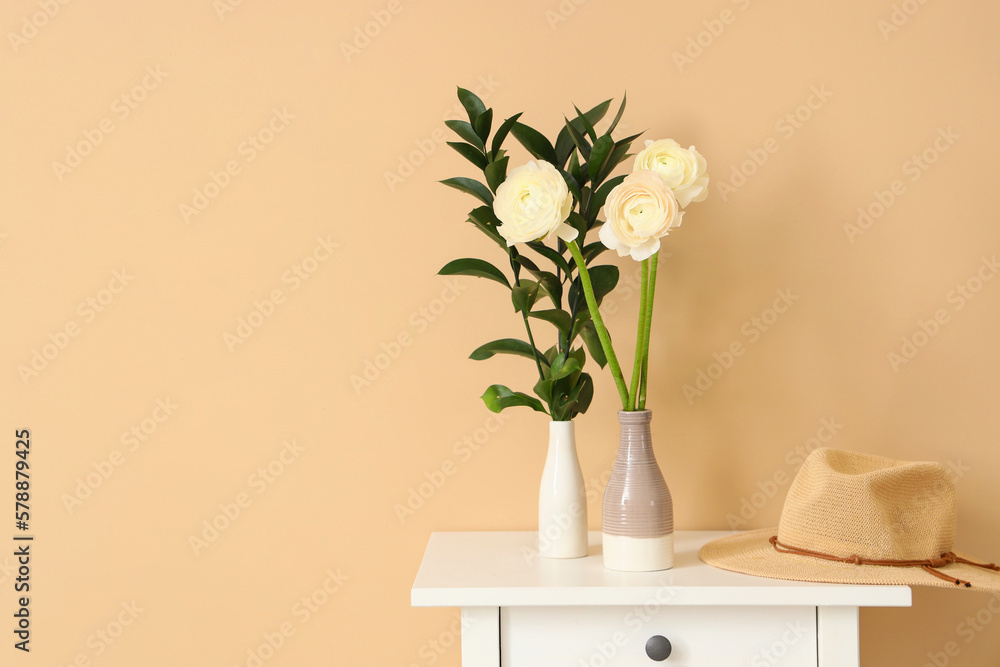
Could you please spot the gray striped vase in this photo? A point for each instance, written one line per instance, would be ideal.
(638, 520)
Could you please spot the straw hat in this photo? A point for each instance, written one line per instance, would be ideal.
(859, 519)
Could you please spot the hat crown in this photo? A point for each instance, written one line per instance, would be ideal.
(847, 503)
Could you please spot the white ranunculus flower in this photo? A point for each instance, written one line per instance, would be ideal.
(638, 211)
(533, 203)
(682, 169)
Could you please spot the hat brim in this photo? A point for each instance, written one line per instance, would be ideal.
(752, 553)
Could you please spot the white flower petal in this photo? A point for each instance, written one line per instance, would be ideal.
(607, 236)
(567, 232)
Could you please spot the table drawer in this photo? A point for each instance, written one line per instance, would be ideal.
(698, 636)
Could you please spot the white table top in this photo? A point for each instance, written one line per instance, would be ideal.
(503, 569)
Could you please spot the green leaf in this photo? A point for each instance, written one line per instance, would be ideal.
(524, 295)
(543, 388)
(579, 223)
(487, 222)
(550, 254)
(550, 284)
(551, 353)
(525, 262)
(560, 318)
(583, 393)
(563, 367)
(599, 156)
(564, 143)
(484, 124)
(470, 153)
(477, 268)
(628, 140)
(534, 141)
(505, 346)
(498, 398)
(618, 155)
(501, 134)
(601, 196)
(466, 131)
(587, 125)
(473, 105)
(572, 184)
(496, 173)
(589, 335)
(618, 116)
(579, 141)
(576, 171)
(469, 186)
(591, 251)
(603, 278)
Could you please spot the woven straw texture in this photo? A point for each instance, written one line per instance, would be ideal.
(845, 503)
(637, 502)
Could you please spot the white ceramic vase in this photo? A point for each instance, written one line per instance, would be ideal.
(562, 498)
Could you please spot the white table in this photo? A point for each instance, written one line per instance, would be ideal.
(520, 610)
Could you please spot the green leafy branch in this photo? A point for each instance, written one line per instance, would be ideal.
(586, 161)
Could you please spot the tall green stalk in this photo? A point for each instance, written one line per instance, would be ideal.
(647, 298)
(602, 331)
(638, 372)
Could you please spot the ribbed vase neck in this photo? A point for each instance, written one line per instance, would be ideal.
(635, 439)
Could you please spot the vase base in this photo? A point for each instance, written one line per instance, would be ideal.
(572, 545)
(638, 554)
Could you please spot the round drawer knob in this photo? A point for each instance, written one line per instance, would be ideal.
(658, 648)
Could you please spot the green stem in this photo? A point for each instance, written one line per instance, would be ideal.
(637, 370)
(531, 339)
(527, 327)
(602, 331)
(651, 290)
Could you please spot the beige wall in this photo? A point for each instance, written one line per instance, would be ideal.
(331, 126)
